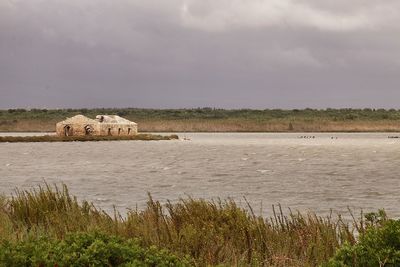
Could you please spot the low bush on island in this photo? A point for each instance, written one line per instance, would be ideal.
(47, 226)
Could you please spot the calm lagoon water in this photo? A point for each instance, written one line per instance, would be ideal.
(329, 171)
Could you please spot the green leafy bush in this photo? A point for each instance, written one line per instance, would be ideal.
(379, 245)
(84, 249)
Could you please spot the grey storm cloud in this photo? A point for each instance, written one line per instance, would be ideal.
(197, 53)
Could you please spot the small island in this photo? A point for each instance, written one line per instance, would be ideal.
(81, 128)
(55, 138)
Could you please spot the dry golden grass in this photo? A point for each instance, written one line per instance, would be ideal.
(29, 126)
(229, 125)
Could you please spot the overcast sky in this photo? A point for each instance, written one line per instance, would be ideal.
(200, 53)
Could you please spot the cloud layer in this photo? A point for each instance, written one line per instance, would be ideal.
(229, 14)
(194, 53)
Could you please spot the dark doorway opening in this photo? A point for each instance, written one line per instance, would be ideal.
(119, 131)
(67, 130)
(89, 130)
(109, 131)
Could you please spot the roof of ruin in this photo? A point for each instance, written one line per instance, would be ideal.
(113, 119)
(79, 119)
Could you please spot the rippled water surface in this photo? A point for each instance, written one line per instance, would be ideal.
(329, 171)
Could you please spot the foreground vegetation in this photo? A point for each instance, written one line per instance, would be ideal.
(217, 120)
(378, 245)
(55, 138)
(49, 227)
(84, 249)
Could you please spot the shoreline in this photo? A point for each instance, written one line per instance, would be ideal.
(169, 130)
(55, 138)
(225, 132)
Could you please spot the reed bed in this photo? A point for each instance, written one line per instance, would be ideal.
(216, 120)
(228, 125)
(276, 125)
(55, 138)
(209, 232)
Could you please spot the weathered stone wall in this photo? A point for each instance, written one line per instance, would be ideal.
(77, 129)
(118, 129)
(96, 129)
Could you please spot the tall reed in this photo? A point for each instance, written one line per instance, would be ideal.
(211, 232)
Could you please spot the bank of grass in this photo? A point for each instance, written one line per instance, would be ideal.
(47, 226)
(216, 120)
(36, 227)
(55, 138)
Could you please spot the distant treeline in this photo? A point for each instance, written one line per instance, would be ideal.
(216, 120)
(208, 113)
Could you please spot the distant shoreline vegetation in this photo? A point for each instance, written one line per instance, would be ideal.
(55, 138)
(216, 120)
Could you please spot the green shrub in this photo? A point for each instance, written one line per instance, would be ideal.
(379, 245)
(84, 249)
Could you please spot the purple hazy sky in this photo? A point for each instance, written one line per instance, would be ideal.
(200, 53)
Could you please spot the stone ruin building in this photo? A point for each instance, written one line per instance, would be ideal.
(80, 125)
